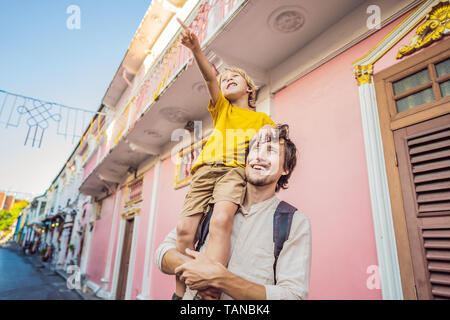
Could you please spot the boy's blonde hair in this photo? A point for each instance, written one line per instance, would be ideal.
(250, 84)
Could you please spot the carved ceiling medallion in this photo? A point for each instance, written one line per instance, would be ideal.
(174, 114)
(287, 19)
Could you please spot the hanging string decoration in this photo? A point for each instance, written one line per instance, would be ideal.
(39, 114)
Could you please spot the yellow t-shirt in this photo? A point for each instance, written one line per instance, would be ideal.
(234, 127)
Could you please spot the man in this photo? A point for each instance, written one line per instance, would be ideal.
(250, 274)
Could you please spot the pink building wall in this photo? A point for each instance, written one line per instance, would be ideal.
(323, 110)
(330, 183)
(100, 238)
(170, 203)
(143, 230)
(120, 207)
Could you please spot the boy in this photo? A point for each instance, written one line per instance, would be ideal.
(218, 174)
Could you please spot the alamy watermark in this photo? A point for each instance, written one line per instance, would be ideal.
(73, 22)
(74, 280)
(373, 281)
(374, 20)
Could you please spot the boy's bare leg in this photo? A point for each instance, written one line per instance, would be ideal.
(218, 247)
(186, 229)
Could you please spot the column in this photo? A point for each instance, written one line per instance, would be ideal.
(389, 269)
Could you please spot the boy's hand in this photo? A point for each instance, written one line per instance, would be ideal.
(188, 38)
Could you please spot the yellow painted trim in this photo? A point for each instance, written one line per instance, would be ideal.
(131, 213)
(363, 74)
(398, 26)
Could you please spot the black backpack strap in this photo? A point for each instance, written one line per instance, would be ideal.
(282, 220)
(203, 229)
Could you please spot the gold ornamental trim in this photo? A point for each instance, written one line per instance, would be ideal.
(436, 25)
(363, 74)
(131, 213)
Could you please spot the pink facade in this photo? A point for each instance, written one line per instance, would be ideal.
(170, 203)
(100, 241)
(115, 236)
(323, 110)
(143, 230)
(327, 131)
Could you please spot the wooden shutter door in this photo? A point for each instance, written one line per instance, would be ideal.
(125, 260)
(423, 155)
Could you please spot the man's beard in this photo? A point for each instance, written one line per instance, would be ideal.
(260, 181)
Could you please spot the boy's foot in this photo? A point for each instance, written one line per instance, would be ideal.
(175, 297)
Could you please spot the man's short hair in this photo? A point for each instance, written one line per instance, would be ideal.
(290, 156)
(290, 153)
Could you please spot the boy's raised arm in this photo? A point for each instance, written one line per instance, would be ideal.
(190, 40)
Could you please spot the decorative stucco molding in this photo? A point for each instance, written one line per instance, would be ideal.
(435, 26)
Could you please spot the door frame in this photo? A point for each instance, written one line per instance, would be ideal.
(118, 258)
(389, 123)
(124, 272)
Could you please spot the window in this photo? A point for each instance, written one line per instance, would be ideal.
(422, 87)
(134, 194)
(443, 72)
(133, 198)
(42, 209)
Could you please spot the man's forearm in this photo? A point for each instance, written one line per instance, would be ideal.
(239, 288)
(173, 259)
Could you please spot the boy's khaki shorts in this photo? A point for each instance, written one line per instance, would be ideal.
(213, 183)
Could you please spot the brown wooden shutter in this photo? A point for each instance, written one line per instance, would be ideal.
(125, 260)
(423, 152)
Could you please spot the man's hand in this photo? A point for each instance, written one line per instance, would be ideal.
(204, 274)
(209, 293)
(201, 272)
(188, 38)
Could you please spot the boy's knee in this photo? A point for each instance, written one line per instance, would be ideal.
(184, 229)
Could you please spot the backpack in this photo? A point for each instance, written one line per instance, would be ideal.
(282, 220)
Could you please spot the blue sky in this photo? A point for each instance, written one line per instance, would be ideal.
(40, 57)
